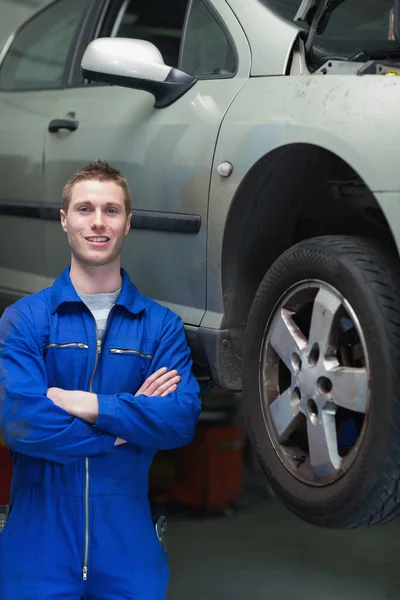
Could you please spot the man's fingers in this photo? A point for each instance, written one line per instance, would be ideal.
(160, 381)
(162, 388)
(173, 388)
(153, 378)
(145, 386)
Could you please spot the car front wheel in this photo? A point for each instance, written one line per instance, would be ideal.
(321, 369)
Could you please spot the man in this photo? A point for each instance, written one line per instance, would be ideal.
(95, 378)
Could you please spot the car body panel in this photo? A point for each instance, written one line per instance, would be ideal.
(24, 117)
(271, 38)
(325, 111)
(167, 157)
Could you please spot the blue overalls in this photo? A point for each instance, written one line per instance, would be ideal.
(80, 524)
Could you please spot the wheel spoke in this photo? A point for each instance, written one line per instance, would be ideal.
(285, 337)
(285, 414)
(350, 388)
(322, 442)
(325, 308)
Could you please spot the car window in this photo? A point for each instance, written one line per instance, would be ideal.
(155, 21)
(207, 50)
(37, 57)
(354, 26)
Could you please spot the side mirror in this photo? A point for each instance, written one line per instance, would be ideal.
(135, 64)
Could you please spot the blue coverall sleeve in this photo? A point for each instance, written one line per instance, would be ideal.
(159, 423)
(30, 422)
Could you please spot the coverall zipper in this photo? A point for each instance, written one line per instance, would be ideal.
(69, 345)
(85, 559)
(121, 351)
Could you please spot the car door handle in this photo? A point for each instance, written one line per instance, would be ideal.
(57, 124)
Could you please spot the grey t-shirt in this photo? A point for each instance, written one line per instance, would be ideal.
(100, 306)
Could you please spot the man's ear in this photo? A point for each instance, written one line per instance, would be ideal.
(128, 223)
(63, 216)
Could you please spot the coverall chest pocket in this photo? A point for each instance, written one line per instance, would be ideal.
(127, 363)
(67, 363)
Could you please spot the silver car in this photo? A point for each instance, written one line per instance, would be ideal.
(260, 141)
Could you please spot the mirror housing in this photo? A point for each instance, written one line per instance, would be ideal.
(135, 64)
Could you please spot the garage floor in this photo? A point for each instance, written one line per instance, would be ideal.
(264, 553)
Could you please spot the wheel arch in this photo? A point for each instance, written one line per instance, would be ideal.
(293, 193)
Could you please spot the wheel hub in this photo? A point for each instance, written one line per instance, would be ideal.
(310, 392)
(312, 382)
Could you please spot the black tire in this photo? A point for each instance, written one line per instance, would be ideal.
(368, 277)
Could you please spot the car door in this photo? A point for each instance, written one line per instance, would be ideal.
(166, 154)
(32, 67)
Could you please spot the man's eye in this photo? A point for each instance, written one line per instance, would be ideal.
(112, 210)
(83, 208)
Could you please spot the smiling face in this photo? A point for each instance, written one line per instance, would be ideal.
(96, 222)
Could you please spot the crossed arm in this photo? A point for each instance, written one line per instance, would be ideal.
(85, 405)
(63, 426)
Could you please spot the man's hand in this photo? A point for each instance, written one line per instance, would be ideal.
(120, 441)
(161, 383)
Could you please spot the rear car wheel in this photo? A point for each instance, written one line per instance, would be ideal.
(321, 369)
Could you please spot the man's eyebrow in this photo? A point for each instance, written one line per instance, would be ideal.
(107, 204)
(77, 202)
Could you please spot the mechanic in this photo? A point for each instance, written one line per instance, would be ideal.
(95, 378)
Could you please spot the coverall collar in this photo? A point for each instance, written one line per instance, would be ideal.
(64, 291)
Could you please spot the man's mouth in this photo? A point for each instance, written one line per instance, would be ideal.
(98, 240)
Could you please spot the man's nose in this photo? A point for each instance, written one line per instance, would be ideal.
(98, 219)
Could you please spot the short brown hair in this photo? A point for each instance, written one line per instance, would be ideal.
(98, 170)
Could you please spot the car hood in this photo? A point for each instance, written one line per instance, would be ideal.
(316, 13)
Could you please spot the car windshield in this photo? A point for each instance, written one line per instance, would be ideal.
(354, 26)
